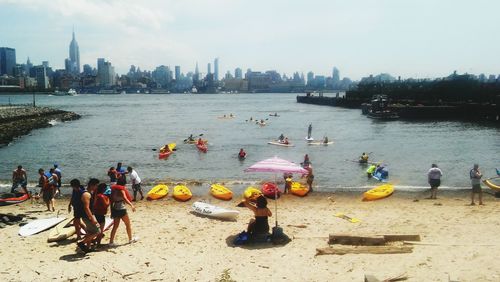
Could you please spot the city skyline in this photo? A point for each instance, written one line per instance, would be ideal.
(440, 38)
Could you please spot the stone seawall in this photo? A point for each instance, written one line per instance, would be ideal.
(17, 121)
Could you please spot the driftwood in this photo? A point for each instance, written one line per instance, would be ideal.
(356, 240)
(342, 250)
(394, 238)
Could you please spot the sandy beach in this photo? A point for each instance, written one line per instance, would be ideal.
(459, 242)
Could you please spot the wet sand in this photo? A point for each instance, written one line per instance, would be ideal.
(459, 242)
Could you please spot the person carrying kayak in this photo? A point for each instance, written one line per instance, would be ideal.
(242, 154)
(363, 158)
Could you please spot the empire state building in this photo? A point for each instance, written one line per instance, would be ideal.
(73, 63)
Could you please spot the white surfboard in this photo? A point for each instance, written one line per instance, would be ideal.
(39, 225)
(214, 211)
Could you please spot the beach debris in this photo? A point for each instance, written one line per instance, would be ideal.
(356, 240)
(371, 278)
(348, 218)
(395, 238)
(225, 276)
(297, 226)
(342, 250)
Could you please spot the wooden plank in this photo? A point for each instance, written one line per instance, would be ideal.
(394, 238)
(342, 250)
(356, 240)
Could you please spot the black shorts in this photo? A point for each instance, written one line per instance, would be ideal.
(118, 213)
(136, 187)
(101, 219)
(435, 182)
(476, 188)
(48, 195)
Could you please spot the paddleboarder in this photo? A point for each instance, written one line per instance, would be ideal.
(309, 131)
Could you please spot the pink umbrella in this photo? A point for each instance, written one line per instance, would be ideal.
(276, 165)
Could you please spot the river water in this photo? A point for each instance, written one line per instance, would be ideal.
(127, 127)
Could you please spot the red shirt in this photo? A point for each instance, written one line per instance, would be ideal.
(101, 204)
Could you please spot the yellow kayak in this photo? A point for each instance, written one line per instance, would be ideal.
(378, 192)
(171, 146)
(158, 192)
(182, 193)
(492, 185)
(299, 189)
(220, 192)
(251, 193)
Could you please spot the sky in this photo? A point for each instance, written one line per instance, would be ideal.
(407, 38)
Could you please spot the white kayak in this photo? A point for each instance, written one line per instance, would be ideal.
(214, 211)
(39, 225)
(277, 143)
(319, 143)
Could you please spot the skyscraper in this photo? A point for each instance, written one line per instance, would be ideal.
(335, 75)
(238, 73)
(7, 60)
(216, 69)
(74, 56)
(177, 73)
(209, 68)
(105, 73)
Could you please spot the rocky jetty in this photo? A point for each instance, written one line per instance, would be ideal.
(17, 121)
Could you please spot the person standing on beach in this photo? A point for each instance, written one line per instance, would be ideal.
(310, 178)
(121, 172)
(113, 175)
(76, 203)
(434, 179)
(120, 197)
(475, 179)
(19, 177)
(58, 172)
(136, 183)
(100, 209)
(91, 228)
(47, 189)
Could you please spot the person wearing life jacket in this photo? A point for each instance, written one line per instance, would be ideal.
(47, 189)
(119, 197)
(286, 142)
(76, 203)
(363, 158)
(100, 209)
(200, 142)
(121, 172)
(281, 138)
(242, 154)
(371, 170)
(165, 149)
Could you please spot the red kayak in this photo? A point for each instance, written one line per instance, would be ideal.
(164, 155)
(203, 148)
(12, 198)
(270, 190)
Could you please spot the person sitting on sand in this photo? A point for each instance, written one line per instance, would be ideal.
(76, 203)
(434, 178)
(260, 224)
(242, 154)
(120, 197)
(19, 177)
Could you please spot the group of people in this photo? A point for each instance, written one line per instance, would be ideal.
(283, 139)
(434, 178)
(120, 173)
(90, 205)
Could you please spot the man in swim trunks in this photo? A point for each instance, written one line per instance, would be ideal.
(19, 177)
(91, 228)
(434, 179)
(136, 182)
(47, 189)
